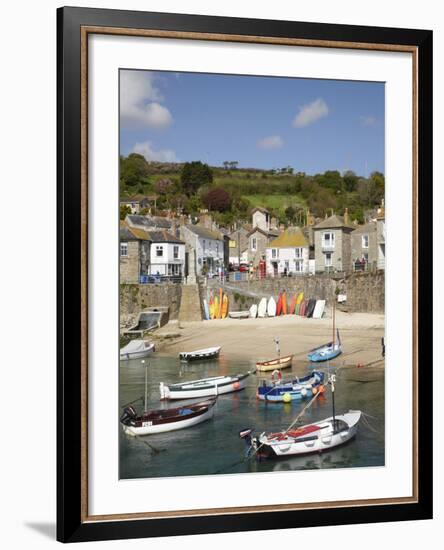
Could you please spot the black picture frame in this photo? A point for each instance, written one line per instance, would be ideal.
(71, 526)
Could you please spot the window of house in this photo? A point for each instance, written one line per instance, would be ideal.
(204, 244)
(217, 248)
(274, 253)
(328, 240)
(159, 251)
(175, 251)
(328, 259)
(298, 253)
(298, 264)
(253, 243)
(124, 249)
(364, 241)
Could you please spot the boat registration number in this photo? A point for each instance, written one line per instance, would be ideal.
(145, 424)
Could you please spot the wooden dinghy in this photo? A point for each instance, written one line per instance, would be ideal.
(166, 420)
(199, 354)
(284, 391)
(136, 349)
(216, 385)
(278, 363)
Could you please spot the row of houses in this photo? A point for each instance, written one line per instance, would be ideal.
(156, 248)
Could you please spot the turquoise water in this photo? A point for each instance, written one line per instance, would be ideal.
(215, 447)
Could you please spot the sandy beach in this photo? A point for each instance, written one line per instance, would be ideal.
(254, 338)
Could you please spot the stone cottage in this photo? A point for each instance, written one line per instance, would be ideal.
(364, 247)
(332, 242)
(134, 254)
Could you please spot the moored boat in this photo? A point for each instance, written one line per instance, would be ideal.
(311, 438)
(216, 385)
(278, 363)
(326, 352)
(198, 354)
(136, 349)
(166, 420)
(284, 391)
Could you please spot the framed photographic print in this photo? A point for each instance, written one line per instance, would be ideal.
(244, 303)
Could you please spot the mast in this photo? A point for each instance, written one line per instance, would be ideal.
(334, 316)
(146, 387)
(332, 382)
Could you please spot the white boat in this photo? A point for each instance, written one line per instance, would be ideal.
(262, 308)
(198, 354)
(319, 309)
(166, 420)
(311, 438)
(136, 349)
(271, 307)
(253, 311)
(206, 387)
(239, 314)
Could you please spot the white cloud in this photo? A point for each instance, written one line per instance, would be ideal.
(139, 101)
(310, 113)
(368, 120)
(162, 155)
(270, 142)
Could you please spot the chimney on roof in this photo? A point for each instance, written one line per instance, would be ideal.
(346, 217)
(310, 219)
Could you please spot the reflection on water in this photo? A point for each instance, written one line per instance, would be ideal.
(214, 446)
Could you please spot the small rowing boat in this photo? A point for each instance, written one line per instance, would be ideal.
(216, 385)
(284, 391)
(199, 354)
(239, 314)
(166, 420)
(136, 349)
(278, 363)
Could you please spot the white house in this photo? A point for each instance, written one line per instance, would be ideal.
(167, 255)
(288, 254)
(208, 246)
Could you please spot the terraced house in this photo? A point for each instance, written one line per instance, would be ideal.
(288, 254)
(332, 244)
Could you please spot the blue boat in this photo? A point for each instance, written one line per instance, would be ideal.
(290, 390)
(326, 352)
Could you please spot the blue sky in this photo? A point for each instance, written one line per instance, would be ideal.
(261, 122)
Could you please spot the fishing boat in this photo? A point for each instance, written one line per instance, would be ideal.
(281, 391)
(277, 363)
(330, 350)
(216, 385)
(164, 420)
(239, 314)
(199, 354)
(136, 349)
(311, 438)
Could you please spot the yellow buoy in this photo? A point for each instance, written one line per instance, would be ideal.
(286, 398)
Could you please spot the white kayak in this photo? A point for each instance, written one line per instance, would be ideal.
(198, 354)
(253, 311)
(205, 387)
(311, 438)
(136, 349)
(262, 308)
(271, 307)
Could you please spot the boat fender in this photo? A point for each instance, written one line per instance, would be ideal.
(321, 389)
(276, 373)
(286, 398)
(314, 391)
(303, 392)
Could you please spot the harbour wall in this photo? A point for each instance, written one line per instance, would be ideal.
(365, 291)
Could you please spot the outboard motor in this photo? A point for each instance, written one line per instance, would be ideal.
(246, 436)
(129, 413)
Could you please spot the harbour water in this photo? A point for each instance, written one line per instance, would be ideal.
(215, 447)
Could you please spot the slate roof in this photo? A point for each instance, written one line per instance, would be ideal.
(204, 233)
(290, 238)
(366, 228)
(149, 222)
(333, 222)
(163, 237)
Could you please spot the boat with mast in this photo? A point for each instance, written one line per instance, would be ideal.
(164, 420)
(332, 349)
(279, 362)
(316, 437)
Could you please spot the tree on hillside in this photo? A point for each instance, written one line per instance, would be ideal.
(217, 199)
(290, 213)
(133, 169)
(350, 181)
(163, 186)
(194, 175)
(124, 210)
(331, 179)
